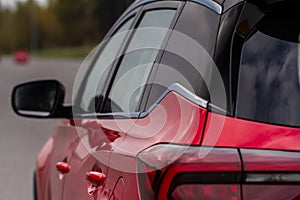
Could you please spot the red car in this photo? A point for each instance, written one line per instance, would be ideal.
(21, 57)
(188, 100)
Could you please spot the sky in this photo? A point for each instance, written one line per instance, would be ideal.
(12, 3)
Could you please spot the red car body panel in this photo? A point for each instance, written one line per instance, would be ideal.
(167, 123)
(97, 140)
(57, 149)
(239, 133)
(92, 141)
(84, 143)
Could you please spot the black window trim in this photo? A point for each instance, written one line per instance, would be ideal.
(238, 40)
(210, 107)
(147, 89)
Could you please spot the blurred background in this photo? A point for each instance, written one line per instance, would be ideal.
(41, 39)
(42, 25)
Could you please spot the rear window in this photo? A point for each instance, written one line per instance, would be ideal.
(269, 80)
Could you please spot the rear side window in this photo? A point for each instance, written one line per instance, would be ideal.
(95, 80)
(177, 68)
(269, 82)
(136, 65)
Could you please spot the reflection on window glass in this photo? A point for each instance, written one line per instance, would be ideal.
(269, 89)
(136, 65)
(98, 75)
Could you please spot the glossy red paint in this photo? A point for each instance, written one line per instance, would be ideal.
(57, 149)
(42, 167)
(91, 153)
(118, 192)
(105, 146)
(239, 133)
(174, 120)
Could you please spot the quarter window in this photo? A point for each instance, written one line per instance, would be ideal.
(184, 66)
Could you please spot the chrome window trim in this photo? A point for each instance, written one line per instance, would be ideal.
(216, 7)
(179, 89)
(210, 4)
(175, 87)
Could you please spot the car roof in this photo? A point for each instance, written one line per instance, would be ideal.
(215, 5)
(221, 6)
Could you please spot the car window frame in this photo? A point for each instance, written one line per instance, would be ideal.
(252, 15)
(134, 14)
(146, 106)
(164, 5)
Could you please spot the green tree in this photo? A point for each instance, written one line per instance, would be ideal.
(62, 23)
(7, 31)
(106, 12)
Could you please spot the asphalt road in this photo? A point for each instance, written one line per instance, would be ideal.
(22, 138)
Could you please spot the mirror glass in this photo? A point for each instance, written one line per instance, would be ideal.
(36, 98)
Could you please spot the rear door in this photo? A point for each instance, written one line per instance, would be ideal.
(134, 71)
(97, 133)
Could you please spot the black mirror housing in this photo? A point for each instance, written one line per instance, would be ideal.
(40, 99)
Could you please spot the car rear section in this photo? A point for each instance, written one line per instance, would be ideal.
(250, 149)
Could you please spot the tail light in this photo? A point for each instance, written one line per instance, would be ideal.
(178, 172)
(207, 192)
(271, 175)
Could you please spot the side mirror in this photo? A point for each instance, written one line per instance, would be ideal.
(40, 99)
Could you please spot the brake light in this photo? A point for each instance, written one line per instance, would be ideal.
(174, 171)
(179, 172)
(206, 192)
(271, 161)
(271, 174)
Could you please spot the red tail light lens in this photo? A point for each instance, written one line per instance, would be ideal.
(271, 174)
(267, 160)
(177, 172)
(206, 192)
(173, 171)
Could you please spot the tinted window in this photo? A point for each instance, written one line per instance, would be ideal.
(269, 82)
(175, 69)
(97, 77)
(137, 62)
(197, 24)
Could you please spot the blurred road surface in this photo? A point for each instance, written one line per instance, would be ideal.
(22, 138)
